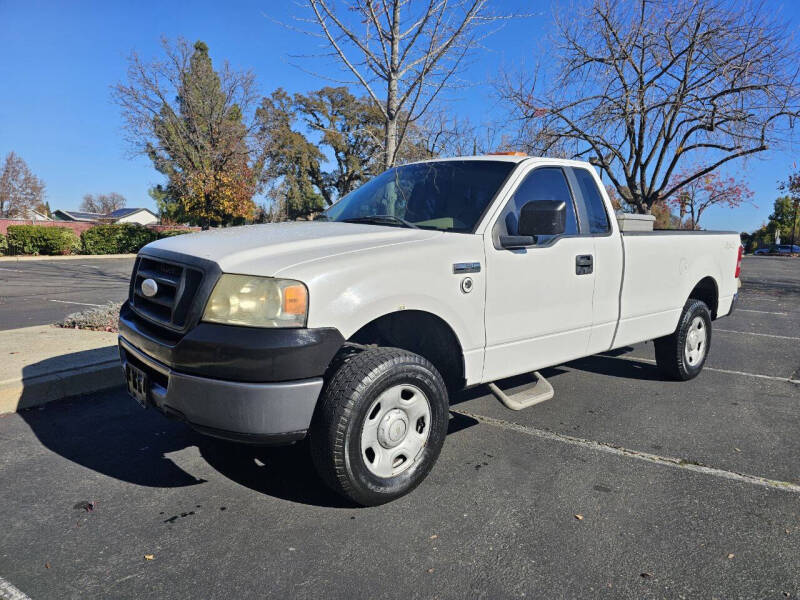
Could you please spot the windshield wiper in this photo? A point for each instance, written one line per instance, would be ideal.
(381, 220)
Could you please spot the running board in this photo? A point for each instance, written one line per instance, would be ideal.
(526, 395)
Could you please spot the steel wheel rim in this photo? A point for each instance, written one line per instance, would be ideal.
(395, 430)
(696, 342)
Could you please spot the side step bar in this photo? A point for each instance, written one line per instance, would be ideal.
(525, 396)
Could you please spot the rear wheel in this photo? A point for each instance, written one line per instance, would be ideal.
(682, 354)
(380, 424)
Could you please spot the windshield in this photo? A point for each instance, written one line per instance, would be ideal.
(447, 195)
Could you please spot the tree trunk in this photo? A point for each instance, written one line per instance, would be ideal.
(390, 128)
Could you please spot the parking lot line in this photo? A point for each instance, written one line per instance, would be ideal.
(716, 370)
(763, 312)
(771, 335)
(69, 302)
(627, 452)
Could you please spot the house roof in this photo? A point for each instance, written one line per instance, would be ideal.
(75, 215)
(124, 212)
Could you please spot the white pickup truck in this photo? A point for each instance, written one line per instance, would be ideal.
(352, 329)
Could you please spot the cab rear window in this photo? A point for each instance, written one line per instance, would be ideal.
(595, 207)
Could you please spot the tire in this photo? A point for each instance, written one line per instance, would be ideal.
(371, 399)
(682, 354)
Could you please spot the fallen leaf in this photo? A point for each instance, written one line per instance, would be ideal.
(731, 555)
(579, 517)
(149, 556)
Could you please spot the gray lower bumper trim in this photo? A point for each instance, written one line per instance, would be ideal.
(257, 409)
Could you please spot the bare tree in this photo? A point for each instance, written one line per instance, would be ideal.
(20, 190)
(410, 49)
(647, 88)
(103, 203)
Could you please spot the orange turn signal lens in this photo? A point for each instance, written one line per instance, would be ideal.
(295, 300)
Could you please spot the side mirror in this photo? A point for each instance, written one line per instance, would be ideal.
(542, 217)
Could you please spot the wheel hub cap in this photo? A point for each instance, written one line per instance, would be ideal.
(696, 342)
(395, 430)
(392, 429)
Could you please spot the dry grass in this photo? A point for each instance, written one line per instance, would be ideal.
(102, 318)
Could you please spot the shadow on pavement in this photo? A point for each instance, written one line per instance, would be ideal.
(607, 364)
(109, 433)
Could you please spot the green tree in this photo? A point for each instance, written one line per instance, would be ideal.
(350, 129)
(196, 125)
(784, 218)
(293, 162)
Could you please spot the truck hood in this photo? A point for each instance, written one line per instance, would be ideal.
(268, 249)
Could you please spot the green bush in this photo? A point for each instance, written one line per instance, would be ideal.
(3, 244)
(120, 238)
(172, 232)
(40, 239)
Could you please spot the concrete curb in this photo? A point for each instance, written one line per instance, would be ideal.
(19, 394)
(64, 257)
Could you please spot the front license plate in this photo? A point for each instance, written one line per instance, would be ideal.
(137, 384)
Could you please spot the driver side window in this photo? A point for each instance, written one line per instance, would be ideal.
(545, 183)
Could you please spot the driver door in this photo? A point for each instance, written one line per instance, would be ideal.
(538, 298)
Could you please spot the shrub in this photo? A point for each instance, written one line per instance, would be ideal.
(39, 239)
(3, 244)
(120, 238)
(172, 232)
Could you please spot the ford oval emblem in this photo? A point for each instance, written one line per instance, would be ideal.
(149, 288)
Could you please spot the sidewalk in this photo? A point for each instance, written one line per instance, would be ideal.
(45, 363)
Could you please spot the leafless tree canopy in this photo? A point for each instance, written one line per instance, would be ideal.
(645, 88)
(103, 203)
(20, 190)
(402, 53)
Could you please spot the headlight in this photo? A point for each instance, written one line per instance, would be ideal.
(257, 302)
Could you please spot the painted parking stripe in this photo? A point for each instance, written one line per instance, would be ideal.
(81, 303)
(716, 370)
(763, 312)
(9, 592)
(769, 335)
(667, 461)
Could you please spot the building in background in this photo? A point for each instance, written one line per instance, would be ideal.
(141, 216)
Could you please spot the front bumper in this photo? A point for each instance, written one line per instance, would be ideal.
(259, 413)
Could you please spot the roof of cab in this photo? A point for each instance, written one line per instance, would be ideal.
(513, 159)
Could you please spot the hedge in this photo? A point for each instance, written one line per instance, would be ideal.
(38, 239)
(120, 238)
(3, 244)
(165, 233)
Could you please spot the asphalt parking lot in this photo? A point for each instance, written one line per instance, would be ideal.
(44, 291)
(622, 486)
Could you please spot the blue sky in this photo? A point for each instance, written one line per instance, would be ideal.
(59, 60)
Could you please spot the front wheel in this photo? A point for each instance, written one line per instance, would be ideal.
(380, 424)
(682, 354)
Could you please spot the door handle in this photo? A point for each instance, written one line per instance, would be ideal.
(584, 264)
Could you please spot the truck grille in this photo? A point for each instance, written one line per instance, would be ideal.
(177, 287)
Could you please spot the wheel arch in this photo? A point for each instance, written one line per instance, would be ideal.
(421, 332)
(707, 290)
